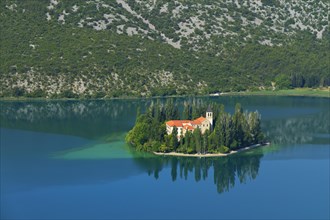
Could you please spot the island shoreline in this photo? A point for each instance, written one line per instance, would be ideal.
(175, 154)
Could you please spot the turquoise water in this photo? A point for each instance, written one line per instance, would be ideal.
(68, 160)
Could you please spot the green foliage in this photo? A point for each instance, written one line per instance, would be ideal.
(224, 149)
(138, 136)
(38, 93)
(197, 146)
(17, 92)
(34, 50)
(282, 81)
(68, 94)
(270, 2)
(174, 139)
(230, 131)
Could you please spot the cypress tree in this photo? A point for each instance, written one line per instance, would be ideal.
(181, 142)
(174, 139)
(186, 142)
(198, 140)
(205, 141)
(237, 126)
(192, 143)
(255, 128)
(228, 139)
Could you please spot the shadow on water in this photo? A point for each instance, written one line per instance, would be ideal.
(87, 119)
(309, 134)
(225, 171)
(310, 129)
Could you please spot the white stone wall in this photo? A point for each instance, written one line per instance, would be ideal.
(169, 129)
(205, 126)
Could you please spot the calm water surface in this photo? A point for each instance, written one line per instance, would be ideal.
(68, 160)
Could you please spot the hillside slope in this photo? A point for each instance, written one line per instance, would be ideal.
(62, 48)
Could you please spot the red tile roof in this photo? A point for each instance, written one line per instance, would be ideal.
(186, 123)
(188, 127)
(199, 120)
(177, 123)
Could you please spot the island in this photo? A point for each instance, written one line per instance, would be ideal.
(199, 130)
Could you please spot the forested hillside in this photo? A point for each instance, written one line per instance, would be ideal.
(96, 49)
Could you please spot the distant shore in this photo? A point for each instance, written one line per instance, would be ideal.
(210, 155)
(309, 92)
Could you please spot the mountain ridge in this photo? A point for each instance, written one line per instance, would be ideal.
(100, 48)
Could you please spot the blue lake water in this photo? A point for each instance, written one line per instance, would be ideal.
(68, 160)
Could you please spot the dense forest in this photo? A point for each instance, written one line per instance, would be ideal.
(229, 132)
(51, 48)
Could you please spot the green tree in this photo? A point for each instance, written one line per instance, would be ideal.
(187, 142)
(228, 137)
(283, 81)
(205, 141)
(255, 127)
(238, 120)
(174, 139)
(197, 140)
(212, 142)
(138, 135)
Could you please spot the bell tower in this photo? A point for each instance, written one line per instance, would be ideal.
(209, 116)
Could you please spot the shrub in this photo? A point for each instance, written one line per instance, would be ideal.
(224, 149)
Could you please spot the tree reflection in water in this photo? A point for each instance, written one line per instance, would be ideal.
(299, 130)
(226, 170)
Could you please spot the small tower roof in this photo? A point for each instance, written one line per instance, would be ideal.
(209, 109)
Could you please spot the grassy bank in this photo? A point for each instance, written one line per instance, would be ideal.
(319, 92)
